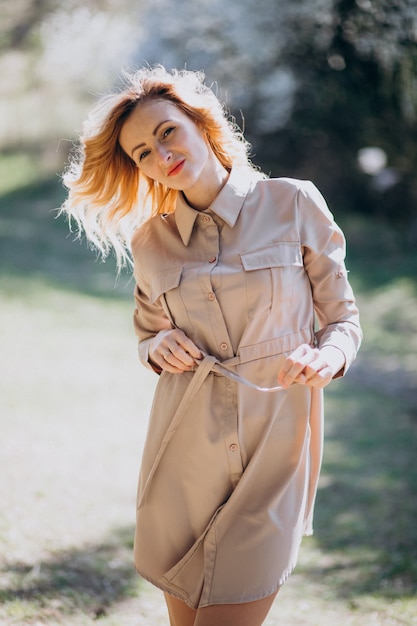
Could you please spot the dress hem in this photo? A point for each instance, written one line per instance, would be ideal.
(180, 596)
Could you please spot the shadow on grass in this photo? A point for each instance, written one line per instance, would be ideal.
(88, 580)
(35, 242)
(366, 514)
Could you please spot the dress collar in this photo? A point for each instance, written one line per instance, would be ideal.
(226, 205)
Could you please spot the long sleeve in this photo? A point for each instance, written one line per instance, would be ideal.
(148, 318)
(324, 260)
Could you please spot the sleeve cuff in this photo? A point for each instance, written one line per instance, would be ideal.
(341, 338)
(143, 353)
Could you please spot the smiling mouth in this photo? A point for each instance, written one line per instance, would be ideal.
(176, 169)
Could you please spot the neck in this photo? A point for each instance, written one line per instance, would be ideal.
(203, 193)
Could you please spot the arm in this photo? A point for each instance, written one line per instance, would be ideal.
(161, 346)
(338, 335)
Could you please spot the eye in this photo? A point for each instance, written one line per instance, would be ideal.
(168, 131)
(143, 155)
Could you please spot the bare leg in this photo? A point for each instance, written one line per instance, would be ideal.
(180, 614)
(246, 614)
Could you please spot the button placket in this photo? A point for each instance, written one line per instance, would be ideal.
(231, 438)
(210, 248)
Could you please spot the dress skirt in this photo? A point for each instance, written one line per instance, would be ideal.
(225, 497)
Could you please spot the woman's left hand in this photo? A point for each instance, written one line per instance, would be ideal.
(311, 366)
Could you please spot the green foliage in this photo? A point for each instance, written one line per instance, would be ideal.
(317, 81)
(357, 73)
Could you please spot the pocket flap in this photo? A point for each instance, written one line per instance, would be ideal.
(164, 281)
(277, 254)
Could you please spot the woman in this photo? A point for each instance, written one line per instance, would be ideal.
(236, 274)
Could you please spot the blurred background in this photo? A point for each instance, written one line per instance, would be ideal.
(325, 90)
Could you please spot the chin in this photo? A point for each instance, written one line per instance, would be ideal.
(184, 182)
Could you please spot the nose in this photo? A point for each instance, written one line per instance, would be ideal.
(164, 155)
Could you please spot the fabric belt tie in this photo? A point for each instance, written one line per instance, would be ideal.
(220, 368)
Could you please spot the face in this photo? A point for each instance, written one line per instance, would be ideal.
(166, 144)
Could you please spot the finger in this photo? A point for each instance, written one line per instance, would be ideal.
(181, 345)
(173, 351)
(316, 374)
(300, 358)
(295, 364)
(191, 349)
(187, 353)
(321, 378)
(178, 357)
(314, 367)
(174, 365)
(301, 350)
(322, 368)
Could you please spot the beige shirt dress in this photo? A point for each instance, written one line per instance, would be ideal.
(229, 473)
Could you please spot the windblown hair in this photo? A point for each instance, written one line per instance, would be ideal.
(108, 195)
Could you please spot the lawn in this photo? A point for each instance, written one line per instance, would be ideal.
(73, 408)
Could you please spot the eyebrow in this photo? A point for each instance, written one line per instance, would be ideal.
(155, 130)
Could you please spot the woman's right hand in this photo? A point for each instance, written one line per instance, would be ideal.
(173, 351)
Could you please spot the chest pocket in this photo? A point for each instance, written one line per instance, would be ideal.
(270, 276)
(166, 287)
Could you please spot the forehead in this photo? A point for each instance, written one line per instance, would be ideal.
(147, 115)
(155, 106)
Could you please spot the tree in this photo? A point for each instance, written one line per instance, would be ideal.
(318, 81)
(357, 88)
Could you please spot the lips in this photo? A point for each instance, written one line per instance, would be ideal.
(176, 168)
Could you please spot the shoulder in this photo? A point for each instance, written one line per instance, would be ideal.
(150, 231)
(291, 186)
(303, 194)
(291, 193)
(148, 246)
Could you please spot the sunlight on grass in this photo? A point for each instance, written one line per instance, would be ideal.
(75, 403)
(72, 377)
(17, 170)
(390, 320)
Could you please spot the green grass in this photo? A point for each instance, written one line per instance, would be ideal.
(73, 408)
(18, 169)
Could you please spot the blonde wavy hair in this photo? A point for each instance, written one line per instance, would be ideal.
(108, 196)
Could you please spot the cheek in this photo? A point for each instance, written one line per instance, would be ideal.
(200, 147)
(148, 169)
(195, 142)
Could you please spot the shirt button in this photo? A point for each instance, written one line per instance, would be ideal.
(223, 346)
(206, 218)
(212, 259)
(233, 447)
(211, 296)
